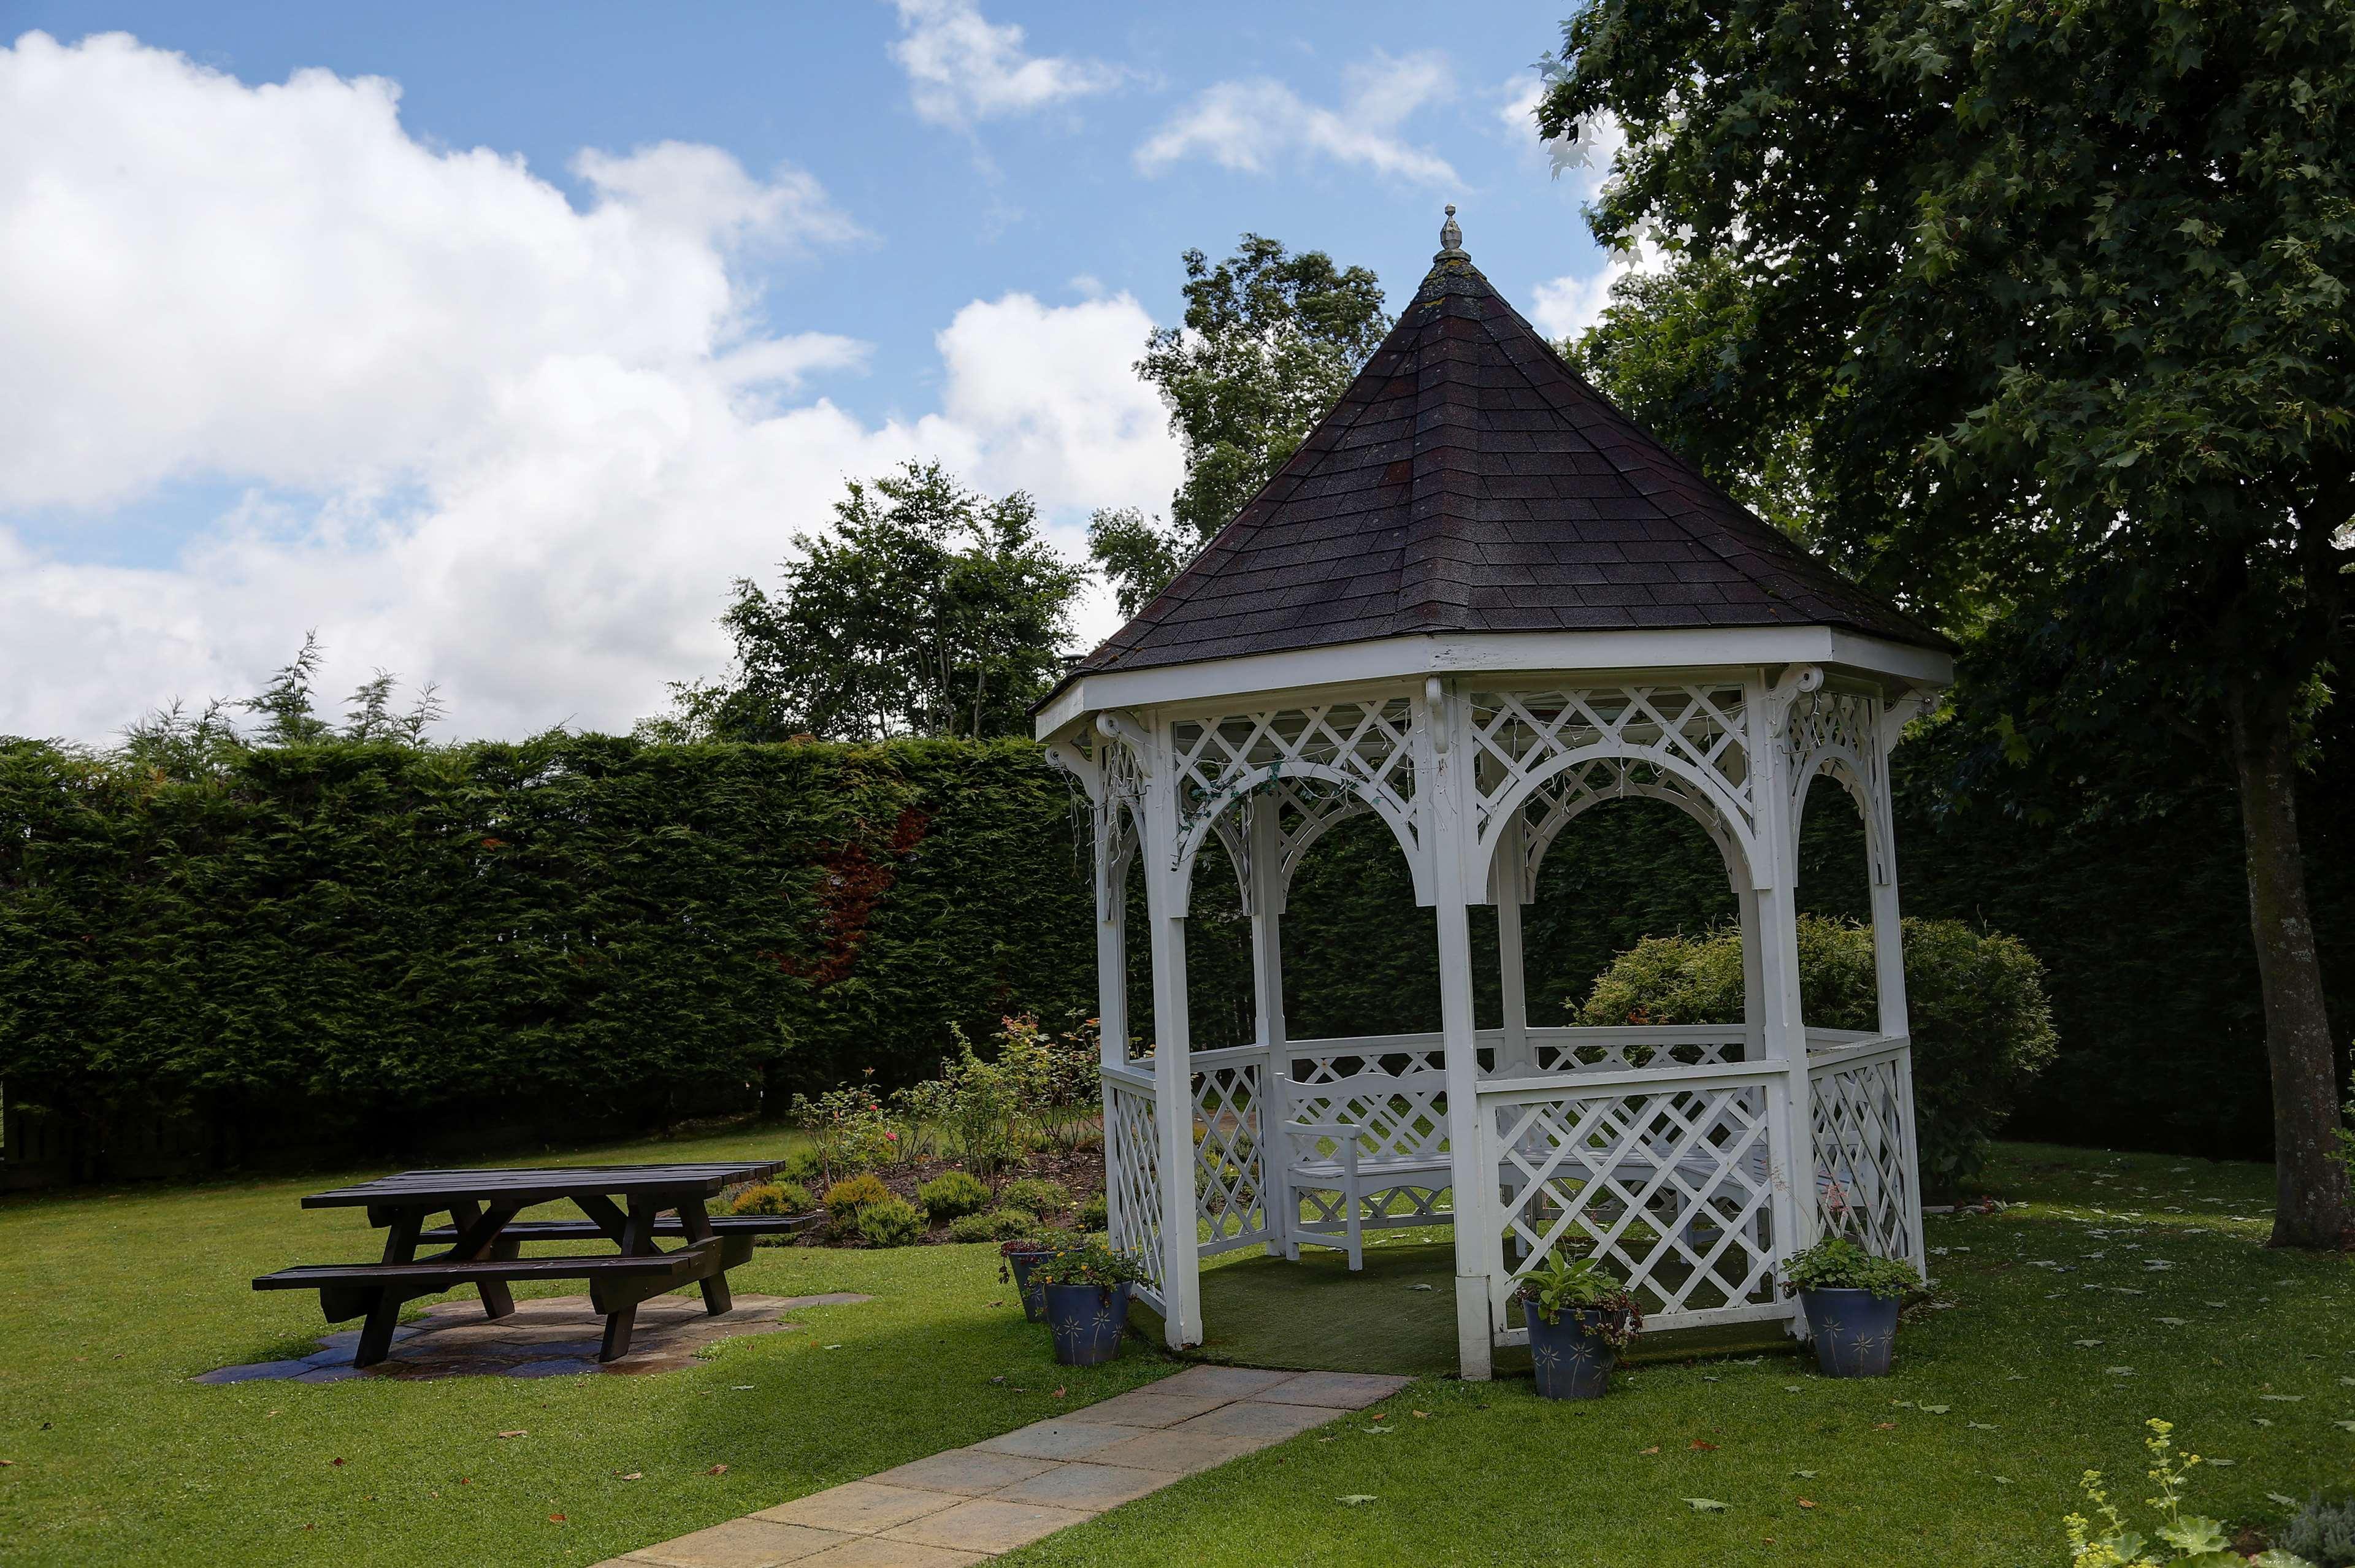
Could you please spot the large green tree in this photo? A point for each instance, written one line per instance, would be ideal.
(928, 610)
(2057, 289)
(1271, 341)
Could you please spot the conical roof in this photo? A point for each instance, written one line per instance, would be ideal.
(1469, 481)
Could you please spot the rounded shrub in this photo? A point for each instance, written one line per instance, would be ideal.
(847, 1197)
(774, 1198)
(954, 1193)
(1037, 1193)
(802, 1165)
(1980, 1022)
(1095, 1214)
(890, 1223)
(996, 1225)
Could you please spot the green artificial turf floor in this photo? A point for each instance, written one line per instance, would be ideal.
(2112, 1289)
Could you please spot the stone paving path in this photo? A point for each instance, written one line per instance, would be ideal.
(968, 1505)
(548, 1337)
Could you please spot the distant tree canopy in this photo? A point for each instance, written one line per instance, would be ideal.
(1270, 341)
(2044, 308)
(930, 611)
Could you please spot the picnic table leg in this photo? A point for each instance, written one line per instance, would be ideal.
(384, 1310)
(637, 1240)
(498, 1301)
(716, 1297)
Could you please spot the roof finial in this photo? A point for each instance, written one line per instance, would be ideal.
(1451, 238)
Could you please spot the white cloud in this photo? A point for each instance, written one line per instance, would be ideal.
(1567, 306)
(962, 68)
(489, 438)
(1248, 125)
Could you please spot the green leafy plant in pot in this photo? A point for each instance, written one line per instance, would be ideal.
(1852, 1299)
(1086, 1289)
(1017, 1262)
(1581, 1318)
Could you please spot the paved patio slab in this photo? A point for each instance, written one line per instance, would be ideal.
(968, 1505)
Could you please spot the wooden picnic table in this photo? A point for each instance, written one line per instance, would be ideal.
(629, 1205)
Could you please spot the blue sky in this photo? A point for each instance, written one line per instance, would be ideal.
(934, 236)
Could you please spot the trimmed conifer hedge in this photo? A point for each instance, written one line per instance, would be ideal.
(362, 943)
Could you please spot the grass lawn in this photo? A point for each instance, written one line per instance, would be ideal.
(113, 1300)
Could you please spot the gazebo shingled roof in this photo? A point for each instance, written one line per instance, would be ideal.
(1469, 481)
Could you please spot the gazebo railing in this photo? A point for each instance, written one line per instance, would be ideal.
(1656, 1147)
(1860, 1113)
(1668, 1175)
(1133, 1196)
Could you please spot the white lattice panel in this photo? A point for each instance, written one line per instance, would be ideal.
(1838, 734)
(1230, 1180)
(1321, 760)
(1864, 1188)
(1670, 1189)
(1133, 1177)
(1400, 1098)
(1677, 740)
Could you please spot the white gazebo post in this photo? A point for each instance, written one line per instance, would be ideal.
(1775, 895)
(1475, 603)
(1264, 834)
(1173, 1078)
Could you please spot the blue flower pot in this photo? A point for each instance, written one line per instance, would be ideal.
(1854, 1331)
(1573, 1360)
(1034, 1303)
(1086, 1321)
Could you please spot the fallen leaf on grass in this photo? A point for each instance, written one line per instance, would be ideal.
(1936, 1409)
(1805, 1475)
(1705, 1505)
(334, 1461)
(634, 1476)
(1058, 1392)
(519, 1432)
(1380, 1416)
(2228, 1464)
(2283, 1398)
(2344, 1425)
(2089, 1344)
(1807, 1502)
(717, 1470)
(1653, 1450)
(2000, 1480)
(1884, 1426)
(1980, 1426)
(2171, 1322)
(556, 1519)
(2259, 1421)
(1376, 1431)
(2277, 1498)
(1421, 1415)
(1354, 1499)
(1707, 1448)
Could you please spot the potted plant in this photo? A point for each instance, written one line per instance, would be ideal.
(1852, 1299)
(1086, 1289)
(1581, 1318)
(1019, 1258)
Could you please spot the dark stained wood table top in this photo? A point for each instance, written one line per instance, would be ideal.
(541, 1184)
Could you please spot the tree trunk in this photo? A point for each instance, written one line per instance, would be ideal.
(2310, 1201)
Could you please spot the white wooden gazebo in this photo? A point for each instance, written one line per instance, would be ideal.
(1477, 602)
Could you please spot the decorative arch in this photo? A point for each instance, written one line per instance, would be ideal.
(1574, 782)
(1837, 733)
(1315, 816)
(1535, 843)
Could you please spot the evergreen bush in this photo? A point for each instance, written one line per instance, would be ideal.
(996, 1225)
(1038, 1194)
(890, 1223)
(954, 1194)
(847, 1197)
(1981, 1027)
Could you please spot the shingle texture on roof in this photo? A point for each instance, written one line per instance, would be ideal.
(1468, 480)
